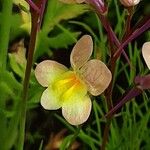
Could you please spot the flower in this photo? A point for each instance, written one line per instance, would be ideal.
(68, 89)
(146, 53)
(129, 3)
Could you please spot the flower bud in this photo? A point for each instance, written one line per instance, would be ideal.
(129, 3)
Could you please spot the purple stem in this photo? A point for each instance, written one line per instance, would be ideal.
(98, 5)
(42, 9)
(134, 35)
(113, 36)
(33, 5)
(126, 97)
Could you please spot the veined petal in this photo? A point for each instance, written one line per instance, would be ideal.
(72, 1)
(96, 75)
(50, 99)
(47, 71)
(146, 53)
(77, 110)
(81, 52)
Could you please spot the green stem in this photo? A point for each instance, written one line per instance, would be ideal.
(4, 35)
(32, 43)
(128, 22)
(5, 31)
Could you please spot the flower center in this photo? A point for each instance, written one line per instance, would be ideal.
(69, 85)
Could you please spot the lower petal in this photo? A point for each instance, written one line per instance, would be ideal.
(50, 100)
(77, 111)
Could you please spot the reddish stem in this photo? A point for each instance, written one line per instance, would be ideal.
(33, 6)
(134, 35)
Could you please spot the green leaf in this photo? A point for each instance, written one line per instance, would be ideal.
(9, 89)
(9, 79)
(62, 40)
(35, 93)
(41, 145)
(55, 13)
(3, 122)
(19, 69)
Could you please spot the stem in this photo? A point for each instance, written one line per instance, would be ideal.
(132, 93)
(5, 31)
(134, 35)
(106, 134)
(113, 40)
(108, 93)
(34, 6)
(36, 18)
(26, 80)
(128, 22)
(111, 34)
(74, 137)
(42, 12)
(5, 26)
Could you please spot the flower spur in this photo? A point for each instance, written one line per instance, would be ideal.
(68, 89)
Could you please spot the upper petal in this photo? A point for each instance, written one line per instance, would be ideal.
(77, 110)
(72, 1)
(50, 99)
(146, 53)
(47, 71)
(96, 75)
(81, 52)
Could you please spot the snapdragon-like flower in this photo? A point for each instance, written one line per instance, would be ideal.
(129, 3)
(68, 89)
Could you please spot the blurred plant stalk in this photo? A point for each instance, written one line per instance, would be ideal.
(37, 11)
(5, 26)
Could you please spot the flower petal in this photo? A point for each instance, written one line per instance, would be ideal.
(72, 1)
(146, 53)
(50, 100)
(77, 111)
(81, 52)
(96, 75)
(47, 71)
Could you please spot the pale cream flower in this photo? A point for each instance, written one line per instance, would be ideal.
(68, 89)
